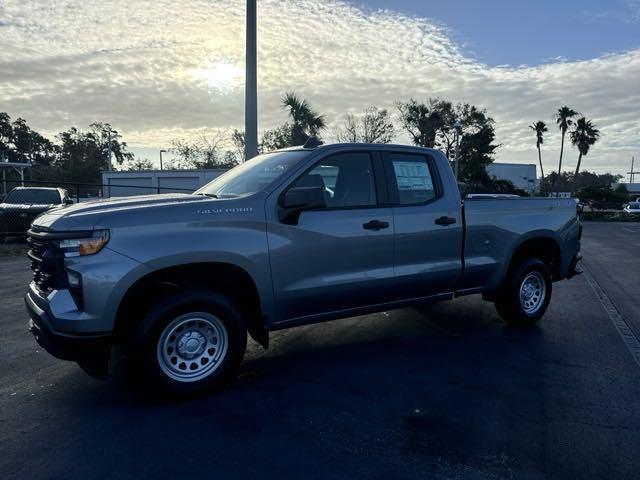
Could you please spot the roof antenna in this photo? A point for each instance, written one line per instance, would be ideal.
(312, 142)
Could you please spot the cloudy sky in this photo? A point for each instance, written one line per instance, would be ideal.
(165, 69)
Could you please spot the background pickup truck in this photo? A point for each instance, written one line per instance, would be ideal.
(288, 238)
(23, 204)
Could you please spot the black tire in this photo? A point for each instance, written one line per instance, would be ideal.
(148, 354)
(519, 311)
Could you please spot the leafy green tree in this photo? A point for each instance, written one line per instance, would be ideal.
(30, 146)
(138, 164)
(564, 119)
(6, 136)
(477, 143)
(622, 192)
(305, 121)
(303, 124)
(423, 121)
(373, 126)
(603, 196)
(202, 153)
(277, 138)
(583, 137)
(19, 143)
(565, 182)
(81, 156)
(540, 128)
(431, 124)
(238, 141)
(491, 185)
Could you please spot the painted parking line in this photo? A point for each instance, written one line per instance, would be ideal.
(627, 335)
(631, 230)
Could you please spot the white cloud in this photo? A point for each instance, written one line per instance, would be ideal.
(164, 69)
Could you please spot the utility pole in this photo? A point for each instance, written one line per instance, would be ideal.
(161, 152)
(109, 146)
(458, 129)
(632, 173)
(251, 85)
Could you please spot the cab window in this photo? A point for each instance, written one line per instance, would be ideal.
(412, 177)
(347, 180)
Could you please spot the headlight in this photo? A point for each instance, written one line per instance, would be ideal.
(79, 247)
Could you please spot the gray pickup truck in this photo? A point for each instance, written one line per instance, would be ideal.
(288, 238)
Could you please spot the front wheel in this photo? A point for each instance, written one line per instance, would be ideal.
(526, 293)
(191, 342)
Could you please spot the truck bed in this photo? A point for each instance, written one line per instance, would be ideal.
(496, 227)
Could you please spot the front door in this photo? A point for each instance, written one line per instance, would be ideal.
(339, 257)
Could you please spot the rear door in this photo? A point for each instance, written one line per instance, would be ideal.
(339, 257)
(428, 226)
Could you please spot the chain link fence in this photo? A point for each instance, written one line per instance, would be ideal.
(22, 201)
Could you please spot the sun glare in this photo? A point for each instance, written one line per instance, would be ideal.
(221, 76)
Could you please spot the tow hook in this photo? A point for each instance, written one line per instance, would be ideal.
(573, 268)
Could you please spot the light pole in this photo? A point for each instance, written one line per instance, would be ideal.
(109, 146)
(458, 129)
(161, 152)
(251, 85)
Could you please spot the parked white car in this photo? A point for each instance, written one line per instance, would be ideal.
(633, 207)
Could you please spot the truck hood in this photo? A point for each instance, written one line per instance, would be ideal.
(95, 213)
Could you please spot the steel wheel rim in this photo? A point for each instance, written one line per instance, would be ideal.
(532, 292)
(192, 346)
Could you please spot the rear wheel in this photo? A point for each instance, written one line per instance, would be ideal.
(191, 342)
(526, 293)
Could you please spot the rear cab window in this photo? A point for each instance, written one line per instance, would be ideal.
(33, 196)
(412, 179)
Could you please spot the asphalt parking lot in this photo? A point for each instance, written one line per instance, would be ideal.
(444, 391)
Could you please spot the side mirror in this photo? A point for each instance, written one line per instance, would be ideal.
(68, 201)
(298, 199)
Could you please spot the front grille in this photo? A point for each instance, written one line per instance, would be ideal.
(47, 263)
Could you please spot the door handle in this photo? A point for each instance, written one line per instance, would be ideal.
(375, 225)
(444, 221)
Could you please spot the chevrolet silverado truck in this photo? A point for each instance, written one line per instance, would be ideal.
(288, 238)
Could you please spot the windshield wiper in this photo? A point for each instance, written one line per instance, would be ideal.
(212, 195)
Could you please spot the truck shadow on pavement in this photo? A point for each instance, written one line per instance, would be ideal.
(439, 388)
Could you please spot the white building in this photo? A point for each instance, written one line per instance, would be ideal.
(632, 188)
(144, 182)
(522, 175)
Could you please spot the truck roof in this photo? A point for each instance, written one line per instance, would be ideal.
(372, 146)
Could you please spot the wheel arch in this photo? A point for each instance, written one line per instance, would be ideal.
(543, 245)
(226, 278)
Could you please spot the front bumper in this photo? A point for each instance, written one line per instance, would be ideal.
(573, 266)
(87, 350)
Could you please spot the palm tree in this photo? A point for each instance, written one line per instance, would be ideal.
(564, 120)
(583, 136)
(306, 122)
(540, 127)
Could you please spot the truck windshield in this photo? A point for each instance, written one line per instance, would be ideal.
(254, 175)
(33, 196)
